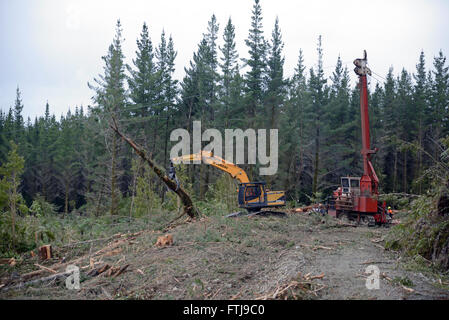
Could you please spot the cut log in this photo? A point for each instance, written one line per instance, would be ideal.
(45, 268)
(188, 207)
(10, 261)
(121, 270)
(103, 268)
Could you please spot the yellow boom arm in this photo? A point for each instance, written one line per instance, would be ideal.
(208, 158)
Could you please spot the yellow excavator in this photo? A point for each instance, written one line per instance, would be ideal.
(252, 196)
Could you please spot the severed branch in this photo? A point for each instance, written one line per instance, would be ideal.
(45, 279)
(188, 207)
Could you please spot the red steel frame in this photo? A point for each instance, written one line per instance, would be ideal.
(366, 202)
(369, 182)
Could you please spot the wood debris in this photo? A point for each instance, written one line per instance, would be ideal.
(296, 289)
(116, 271)
(163, 241)
(107, 294)
(11, 261)
(103, 268)
(100, 270)
(45, 268)
(44, 279)
(306, 209)
(409, 290)
(113, 252)
(315, 247)
(321, 247)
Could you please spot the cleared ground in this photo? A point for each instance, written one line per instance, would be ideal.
(236, 258)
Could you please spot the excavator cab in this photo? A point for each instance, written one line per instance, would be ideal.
(254, 196)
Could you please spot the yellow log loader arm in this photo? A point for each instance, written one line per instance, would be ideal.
(252, 196)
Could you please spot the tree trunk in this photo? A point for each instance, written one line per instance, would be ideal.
(165, 151)
(188, 206)
(395, 170)
(133, 190)
(13, 209)
(404, 173)
(113, 179)
(420, 145)
(66, 199)
(317, 159)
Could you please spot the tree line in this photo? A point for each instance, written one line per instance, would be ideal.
(78, 162)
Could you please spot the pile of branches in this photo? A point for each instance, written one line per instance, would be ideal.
(299, 288)
(58, 270)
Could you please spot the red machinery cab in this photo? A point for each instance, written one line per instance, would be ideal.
(351, 201)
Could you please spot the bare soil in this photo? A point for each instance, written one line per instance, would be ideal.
(238, 258)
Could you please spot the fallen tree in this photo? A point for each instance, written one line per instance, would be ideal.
(188, 207)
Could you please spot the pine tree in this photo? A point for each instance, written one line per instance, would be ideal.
(319, 97)
(66, 160)
(294, 134)
(47, 132)
(110, 97)
(391, 117)
(10, 181)
(337, 152)
(3, 141)
(439, 101)
(142, 86)
(18, 119)
(420, 107)
(275, 77)
(376, 123)
(230, 84)
(254, 78)
(406, 122)
(170, 93)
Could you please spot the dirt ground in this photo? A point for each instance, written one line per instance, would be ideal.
(237, 258)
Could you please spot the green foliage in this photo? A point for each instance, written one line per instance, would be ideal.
(405, 281)
(396, 201)
(146, 199)
(317, 197)
(31, 232)
(425, 231)
(225, 191)
(10, 173)
(40, 207)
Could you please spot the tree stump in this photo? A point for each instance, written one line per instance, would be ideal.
(45, 252)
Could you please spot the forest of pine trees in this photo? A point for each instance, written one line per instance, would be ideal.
(78, 162)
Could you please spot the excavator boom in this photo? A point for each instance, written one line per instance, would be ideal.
(208, 158)
(252, 196)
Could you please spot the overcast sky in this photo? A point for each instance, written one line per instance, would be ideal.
(52, 48)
